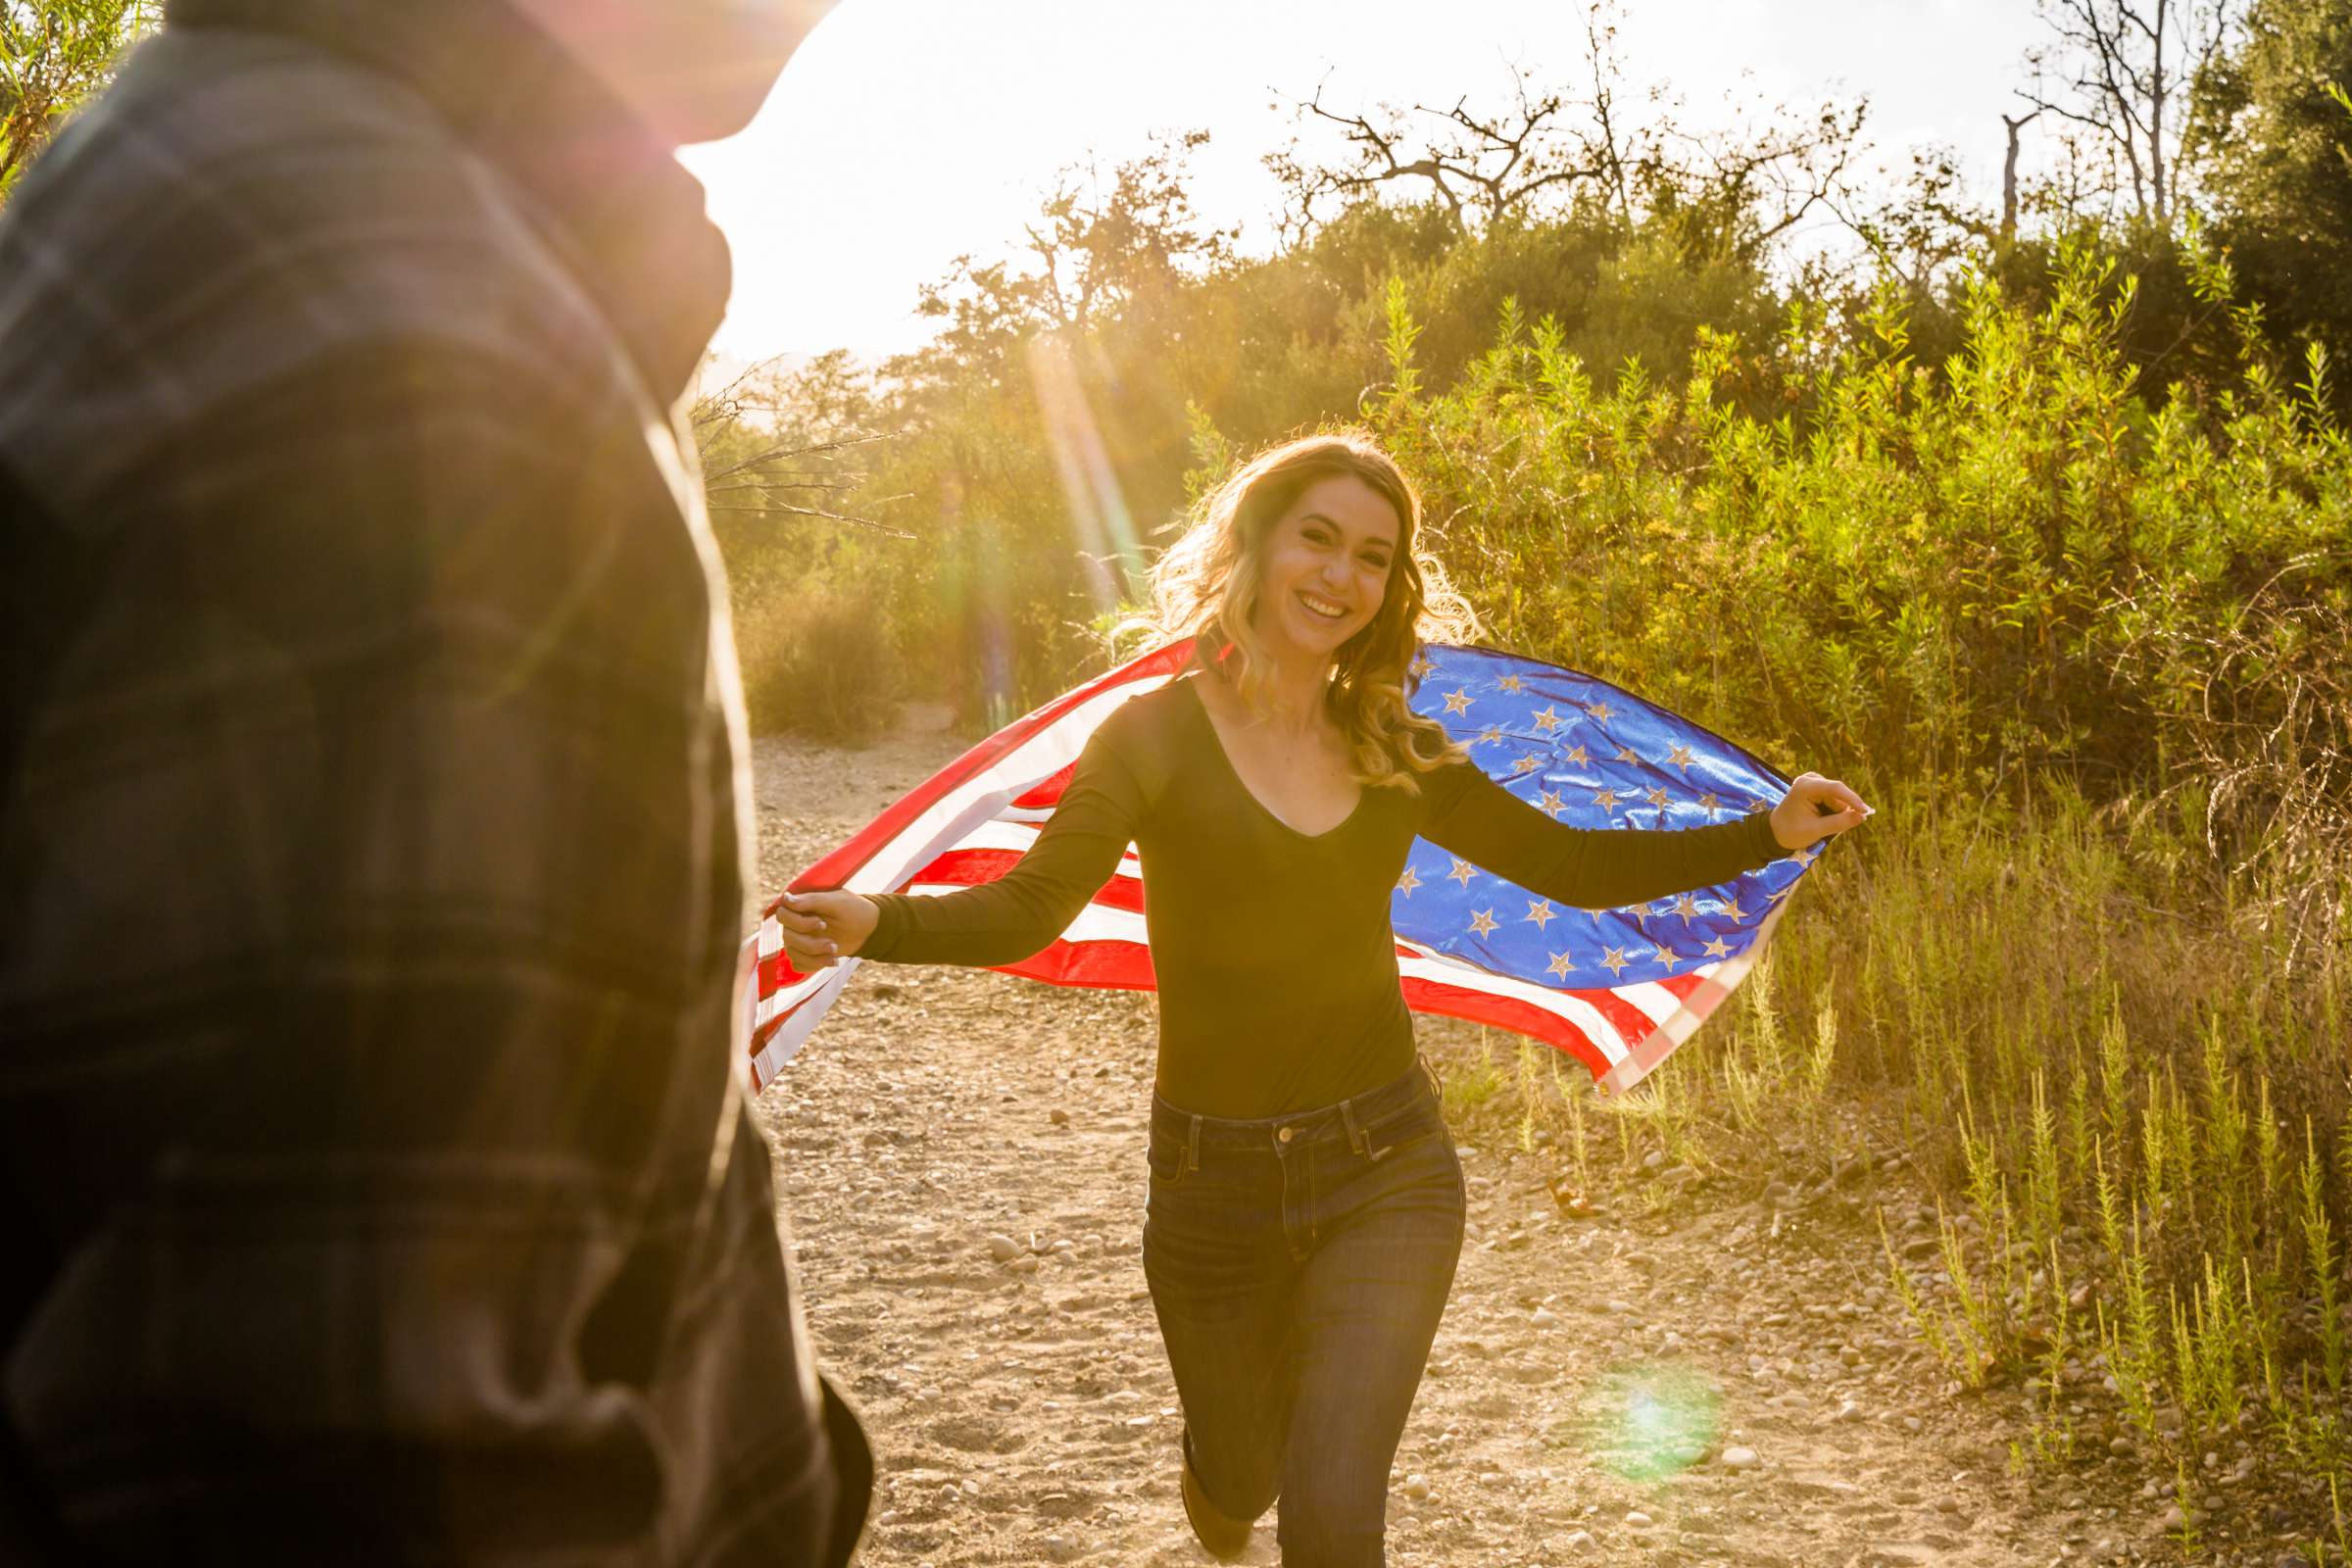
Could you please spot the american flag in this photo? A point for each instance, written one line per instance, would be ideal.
(1617, 989)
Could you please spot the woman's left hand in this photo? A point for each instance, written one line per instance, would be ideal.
(1814, 808)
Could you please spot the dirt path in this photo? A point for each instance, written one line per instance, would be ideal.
(1023, 1411)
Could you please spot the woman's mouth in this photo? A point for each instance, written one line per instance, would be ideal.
(1323, 607)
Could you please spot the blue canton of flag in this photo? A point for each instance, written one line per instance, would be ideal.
(1593, 755)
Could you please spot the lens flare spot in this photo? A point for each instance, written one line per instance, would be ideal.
(1649, 1422)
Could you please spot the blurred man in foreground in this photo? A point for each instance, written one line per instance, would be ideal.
(372, 828)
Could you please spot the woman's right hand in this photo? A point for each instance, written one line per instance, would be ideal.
(821, 928)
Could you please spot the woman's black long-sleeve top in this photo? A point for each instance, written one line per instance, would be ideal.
(1275, 958)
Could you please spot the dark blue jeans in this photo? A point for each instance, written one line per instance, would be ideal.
(1300, 1265)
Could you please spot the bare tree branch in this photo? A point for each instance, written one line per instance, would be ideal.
(2127, 64)
(783, 453)
(2014, 123)
(1545, 147)
(867, 523)
(773, 441)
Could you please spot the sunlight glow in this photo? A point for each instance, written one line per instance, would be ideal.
(1107, 537)
(907, 132)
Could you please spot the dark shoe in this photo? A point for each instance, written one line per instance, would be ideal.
(1221, 1538)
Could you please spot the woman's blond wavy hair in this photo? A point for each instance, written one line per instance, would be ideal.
(1208, 585)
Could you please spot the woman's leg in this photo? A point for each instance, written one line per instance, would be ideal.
(1365, 1310)
(1222, 1281)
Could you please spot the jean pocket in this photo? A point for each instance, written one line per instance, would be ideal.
(1164, 1153)
(1405, 1127)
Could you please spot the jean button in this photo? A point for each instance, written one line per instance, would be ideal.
(1284, 1136)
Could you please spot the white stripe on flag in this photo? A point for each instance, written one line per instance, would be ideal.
(1639, 1063)
(968, 816)
(818, 992)
(1096, 922)
(1018, 836)
(952, 818)
(1446, 971)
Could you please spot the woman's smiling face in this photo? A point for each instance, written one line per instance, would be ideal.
(1326, 568)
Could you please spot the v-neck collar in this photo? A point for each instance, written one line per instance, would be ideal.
(1216, 744)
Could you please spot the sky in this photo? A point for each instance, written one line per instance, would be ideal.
(906, 132)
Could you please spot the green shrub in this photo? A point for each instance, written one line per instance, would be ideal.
(819, 664)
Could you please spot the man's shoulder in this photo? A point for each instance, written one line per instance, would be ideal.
(232, 170)
(242, 206)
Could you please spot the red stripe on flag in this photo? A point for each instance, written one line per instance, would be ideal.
(1506, 1013)
(971, 868)
(1682, 985)
(1630, 1021)
(1102, 962)
(836, 868)
(1105, 963)
(1047, 793)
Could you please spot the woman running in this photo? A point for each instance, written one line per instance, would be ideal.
(1305, 1206)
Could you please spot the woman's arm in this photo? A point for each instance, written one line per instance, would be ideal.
(1590, 869)
(996, 922)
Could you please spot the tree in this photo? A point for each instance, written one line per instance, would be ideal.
(2015, 126)
(2123, 70)
(2281, 163)
(1097, 248)
(781, 441)
(53, 55)
(1551, 151)
(1484, 167)
(788, 451)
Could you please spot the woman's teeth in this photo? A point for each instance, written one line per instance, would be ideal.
(1323, 607)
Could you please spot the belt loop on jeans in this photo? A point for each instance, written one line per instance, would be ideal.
(1191, 1148)
(1358, 1138)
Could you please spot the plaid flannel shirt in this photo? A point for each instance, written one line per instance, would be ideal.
(371, 843)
